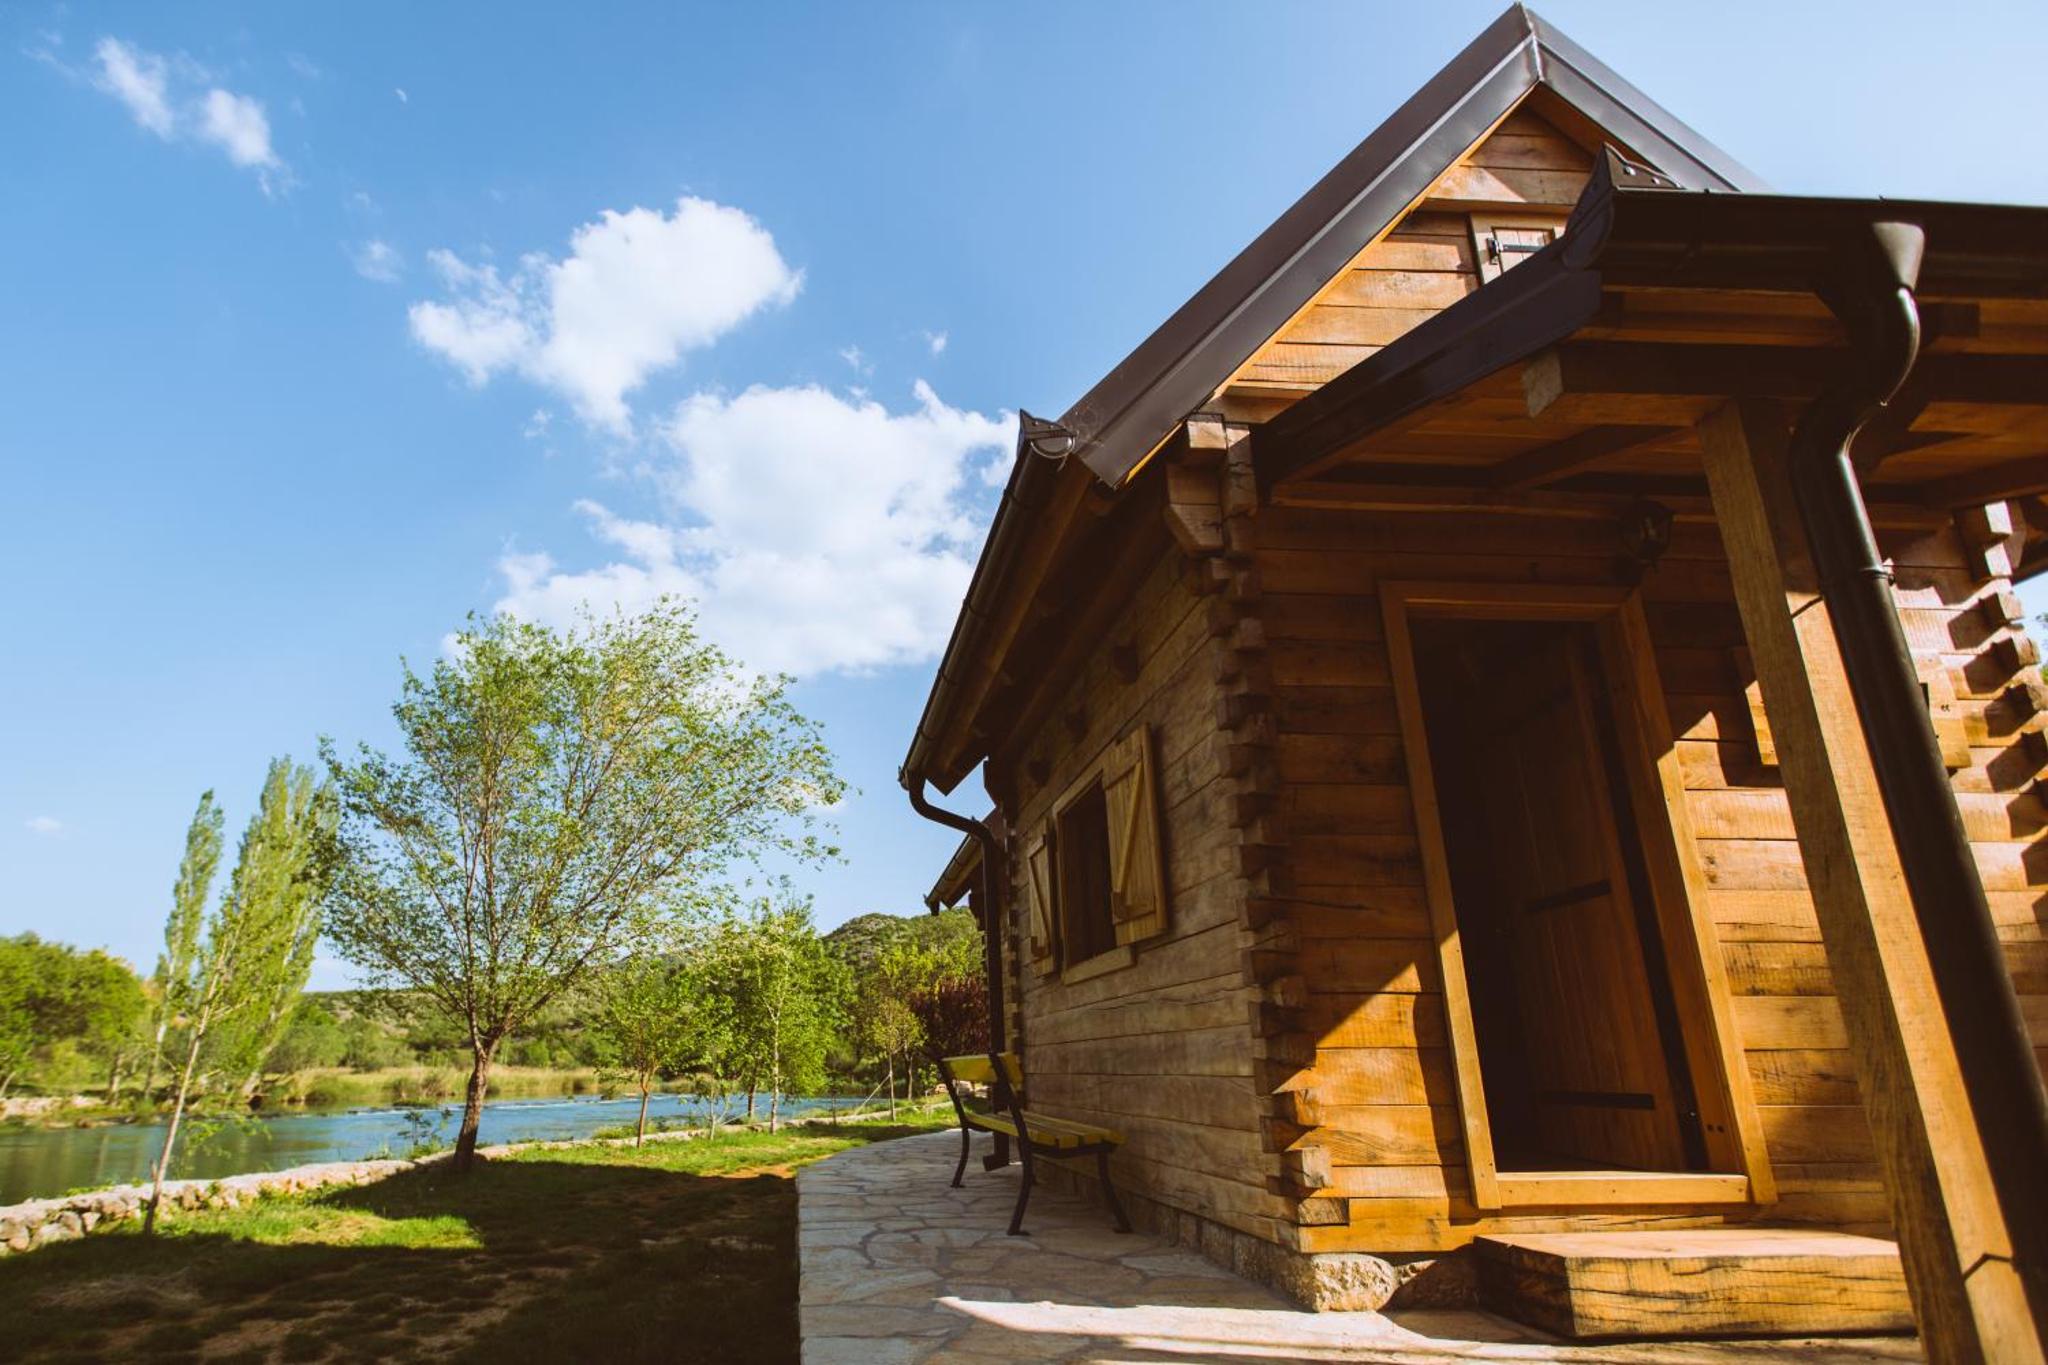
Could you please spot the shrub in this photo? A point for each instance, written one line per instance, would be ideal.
(954, 1016)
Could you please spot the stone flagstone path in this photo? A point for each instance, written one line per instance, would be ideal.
(898, 1267)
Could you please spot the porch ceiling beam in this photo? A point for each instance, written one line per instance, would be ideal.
(1625, 368)
(1349, 495)
(2013, 479)
(1567, 456)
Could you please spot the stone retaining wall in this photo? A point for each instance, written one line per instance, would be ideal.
(39, 1222)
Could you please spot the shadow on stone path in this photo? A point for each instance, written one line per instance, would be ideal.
(898, 1267)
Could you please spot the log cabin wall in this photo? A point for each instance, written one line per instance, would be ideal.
(1158, 1049)
(1375, 1097)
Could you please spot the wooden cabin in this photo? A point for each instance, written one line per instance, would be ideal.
(1455, 781)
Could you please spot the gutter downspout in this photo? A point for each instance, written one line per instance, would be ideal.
(985, 885)
(991, 926)
(1874, 299)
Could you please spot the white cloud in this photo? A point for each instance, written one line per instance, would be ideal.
(635, 292)
(237, 125)
(937, 342)
(140, 80)
(44, 825)
(814, 532)
(377, 260)
(160, 94)
(857, 360)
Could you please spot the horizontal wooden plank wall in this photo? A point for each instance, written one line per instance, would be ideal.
(1425, 264)
(1158, 1049)
(1378, 1097)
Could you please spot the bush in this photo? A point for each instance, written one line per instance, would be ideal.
(954, 1016)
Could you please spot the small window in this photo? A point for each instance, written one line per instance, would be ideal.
(1081, 853)
(1501, 243)
(1094, 883)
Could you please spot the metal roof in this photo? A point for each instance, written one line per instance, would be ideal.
(1172, 372)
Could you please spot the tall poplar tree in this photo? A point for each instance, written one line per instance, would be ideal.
(257, 944)
(181, 930)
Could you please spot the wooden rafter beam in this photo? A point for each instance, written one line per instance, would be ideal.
(1691, 504)
(2013, 479)
(1891, 431)
(1567, 456)
(1647, 370)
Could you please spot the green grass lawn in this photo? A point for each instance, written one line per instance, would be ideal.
(676, 1251)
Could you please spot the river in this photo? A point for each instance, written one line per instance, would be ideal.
(38, 1162)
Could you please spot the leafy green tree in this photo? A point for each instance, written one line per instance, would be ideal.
(779, 996)
(21, 962)
(254, 942)
(52, 995)
(181, 929)
(890, 959)
(294, 873)
(653, 1019)
(562, 797)
(312, 1038)
(105, 1006)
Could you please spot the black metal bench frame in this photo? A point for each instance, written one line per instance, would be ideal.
(1003, 1093)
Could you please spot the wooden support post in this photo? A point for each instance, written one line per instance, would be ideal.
(1967, 1291)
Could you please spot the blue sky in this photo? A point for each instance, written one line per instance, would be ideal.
(321, 328)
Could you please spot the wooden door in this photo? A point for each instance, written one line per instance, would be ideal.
(1598, 1084)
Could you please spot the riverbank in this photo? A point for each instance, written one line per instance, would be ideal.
(43, 1161)
(682, 1250)
(36, 1223)
(325, 1089)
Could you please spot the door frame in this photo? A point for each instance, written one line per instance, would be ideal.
(1729, 1118)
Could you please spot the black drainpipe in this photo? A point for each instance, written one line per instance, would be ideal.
(1874, 299)
(991, 922)
(984, 893)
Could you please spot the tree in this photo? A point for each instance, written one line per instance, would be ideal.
(890, 959)
(312, 1037)
(953, 1015)
(21, 964)
(51, 993)
(181, 928)
(255, 941)
(105, 1005)
(563, 796)
(779, 994)
(651, 1020)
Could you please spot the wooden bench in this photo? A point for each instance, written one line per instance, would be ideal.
(1036, 1135)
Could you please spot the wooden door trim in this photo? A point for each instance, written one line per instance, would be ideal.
(1656, 789)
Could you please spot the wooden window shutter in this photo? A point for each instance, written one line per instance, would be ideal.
(1137, 872)
(1038, 904)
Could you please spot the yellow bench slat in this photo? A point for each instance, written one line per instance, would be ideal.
(1046, 1130)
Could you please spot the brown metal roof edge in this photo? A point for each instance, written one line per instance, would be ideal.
(1025, 493)
(1627, 225)
(1644, 126)
(1174, 369)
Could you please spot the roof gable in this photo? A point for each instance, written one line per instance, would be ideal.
(1525, 172)
(1172, 372)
